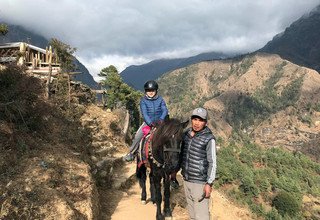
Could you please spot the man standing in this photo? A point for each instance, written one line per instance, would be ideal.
(198, 165)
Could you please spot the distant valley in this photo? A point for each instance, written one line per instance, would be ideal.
(261, 96)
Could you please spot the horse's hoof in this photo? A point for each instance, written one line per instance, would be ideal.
(160, 217)
(169, 218)
(143, 202)
(167, 213)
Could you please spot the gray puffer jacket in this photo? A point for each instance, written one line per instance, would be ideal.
(198, 158)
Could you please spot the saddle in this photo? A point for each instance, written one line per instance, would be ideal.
(144, 150)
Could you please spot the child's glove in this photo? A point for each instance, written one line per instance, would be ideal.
(157, 123)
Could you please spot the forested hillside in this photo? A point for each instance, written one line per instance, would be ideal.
(254, 101)
(273, 182)
(272, 101)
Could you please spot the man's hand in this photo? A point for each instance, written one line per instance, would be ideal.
(207, 190)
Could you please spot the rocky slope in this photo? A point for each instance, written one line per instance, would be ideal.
(300, 42)
(52, 155)
(59, 176)
(272, 100)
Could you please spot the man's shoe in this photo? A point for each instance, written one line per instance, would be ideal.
(129, 157)
(174, 183)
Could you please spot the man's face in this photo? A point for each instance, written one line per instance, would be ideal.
(198, 124)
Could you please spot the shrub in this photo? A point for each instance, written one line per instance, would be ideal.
(273, 215)
(286, 204)
(20, 99)
(246, 157)
(248, 187)
(262, 182)
(224, 175)
(317, 107)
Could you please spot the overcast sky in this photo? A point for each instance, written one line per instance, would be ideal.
(126, 32)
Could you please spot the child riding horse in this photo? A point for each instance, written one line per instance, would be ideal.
(163, 149)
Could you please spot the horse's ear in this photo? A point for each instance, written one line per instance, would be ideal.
(184, 124)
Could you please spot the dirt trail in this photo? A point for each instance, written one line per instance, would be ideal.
(119, 191)
(130, 207)
(124, 202)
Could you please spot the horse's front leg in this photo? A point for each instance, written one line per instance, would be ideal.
(157, 184)
(142, 183)
(152, 187)
(167, 209)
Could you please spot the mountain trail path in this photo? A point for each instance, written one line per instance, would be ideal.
(122, 200)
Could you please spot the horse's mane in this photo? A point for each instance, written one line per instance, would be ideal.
(165, 131)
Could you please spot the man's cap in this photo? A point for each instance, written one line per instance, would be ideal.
(200, 112)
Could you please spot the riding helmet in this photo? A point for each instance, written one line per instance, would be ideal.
(151, 85)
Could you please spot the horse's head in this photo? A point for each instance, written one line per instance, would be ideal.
(167, 142)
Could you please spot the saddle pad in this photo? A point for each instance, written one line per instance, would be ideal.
(143, 151)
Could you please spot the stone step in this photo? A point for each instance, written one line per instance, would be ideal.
(101, 144)
(110, 162)
(105, 151)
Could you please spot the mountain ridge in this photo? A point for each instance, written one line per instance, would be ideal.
(136, 75)
(300, 42)
(252, 96)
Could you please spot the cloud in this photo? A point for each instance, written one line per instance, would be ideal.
(120, 62)
(131, 32)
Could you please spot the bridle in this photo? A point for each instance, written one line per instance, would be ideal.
(165, 149)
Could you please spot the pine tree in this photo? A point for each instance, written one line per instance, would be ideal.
(120, 94)
(3, 29)
(112, 83)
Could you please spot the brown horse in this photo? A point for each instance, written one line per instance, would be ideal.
(163, 158)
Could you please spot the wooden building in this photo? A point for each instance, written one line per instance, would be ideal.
(38, 63)
(36, 59)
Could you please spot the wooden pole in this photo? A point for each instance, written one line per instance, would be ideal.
(47, 55)
(39, 59)
(29, 55)
(50, 74)
(22, 51)
(69, 91)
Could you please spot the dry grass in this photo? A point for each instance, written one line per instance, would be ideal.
(44, 165)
